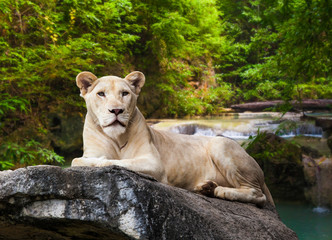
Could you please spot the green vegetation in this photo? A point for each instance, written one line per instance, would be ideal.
(198, 56)
(29, 154)
(280, 161)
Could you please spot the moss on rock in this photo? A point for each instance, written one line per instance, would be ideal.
(281, 162)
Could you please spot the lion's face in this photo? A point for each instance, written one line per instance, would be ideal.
(110, 100)
(112, 103)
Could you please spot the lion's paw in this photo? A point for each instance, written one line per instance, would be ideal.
(207, 188)
(103, 163)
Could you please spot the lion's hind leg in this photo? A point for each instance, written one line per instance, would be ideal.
(242, 194)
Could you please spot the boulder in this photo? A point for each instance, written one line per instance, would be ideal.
(281, 162)
(329, 143)
(318, 175)
(48, 202)
(326, 124)
(311, 152)
(66, 134)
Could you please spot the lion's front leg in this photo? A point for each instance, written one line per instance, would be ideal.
(147, 165)
(90, 162)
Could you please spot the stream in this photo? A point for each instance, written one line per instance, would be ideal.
(309, 222)
(240, 126)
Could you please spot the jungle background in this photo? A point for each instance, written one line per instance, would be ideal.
(199, 56)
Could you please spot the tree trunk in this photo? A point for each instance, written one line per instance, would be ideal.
(317, 104)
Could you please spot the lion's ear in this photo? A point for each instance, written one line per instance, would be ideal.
(84, 80)
(137, 79)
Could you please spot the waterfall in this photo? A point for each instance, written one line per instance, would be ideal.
(244, 131)
(305, 129)
(319, 209)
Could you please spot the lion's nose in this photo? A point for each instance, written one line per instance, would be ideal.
(116, 111)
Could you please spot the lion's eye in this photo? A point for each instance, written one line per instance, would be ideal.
(101, 94)
(125, 94)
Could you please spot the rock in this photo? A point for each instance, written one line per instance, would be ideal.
(281, 162)
(312, 152)
(326, 125)
(329, 143)
(322, 120)
(47, 202)
(192, 129)
(318, 174)
(66, 134)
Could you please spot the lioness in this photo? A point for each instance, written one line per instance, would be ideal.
(115, 133)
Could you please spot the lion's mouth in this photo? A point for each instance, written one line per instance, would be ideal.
(114, 123)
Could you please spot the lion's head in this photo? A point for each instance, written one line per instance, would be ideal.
(111, 101)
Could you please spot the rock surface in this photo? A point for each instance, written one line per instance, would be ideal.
(47, 202)
(66, 134)
(329, 143)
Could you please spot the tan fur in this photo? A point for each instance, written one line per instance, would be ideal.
(214, 166)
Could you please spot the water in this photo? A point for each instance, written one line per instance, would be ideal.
(243, 125)
(309, 223)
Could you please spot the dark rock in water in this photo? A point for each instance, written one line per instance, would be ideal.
(192, 129)
(314, 153)
(281, 162)
(46, 202)
(324, 123)
(329, 143)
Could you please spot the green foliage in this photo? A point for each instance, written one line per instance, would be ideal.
(43, 46)
(281, 162)
(31, 153)
(269, 147)
(267, 152)
(12, 104)
(290, 47)
(252, 140)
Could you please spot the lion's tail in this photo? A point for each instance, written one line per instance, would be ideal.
(268, 195)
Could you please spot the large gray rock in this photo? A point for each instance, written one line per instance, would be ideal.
(46, 202)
